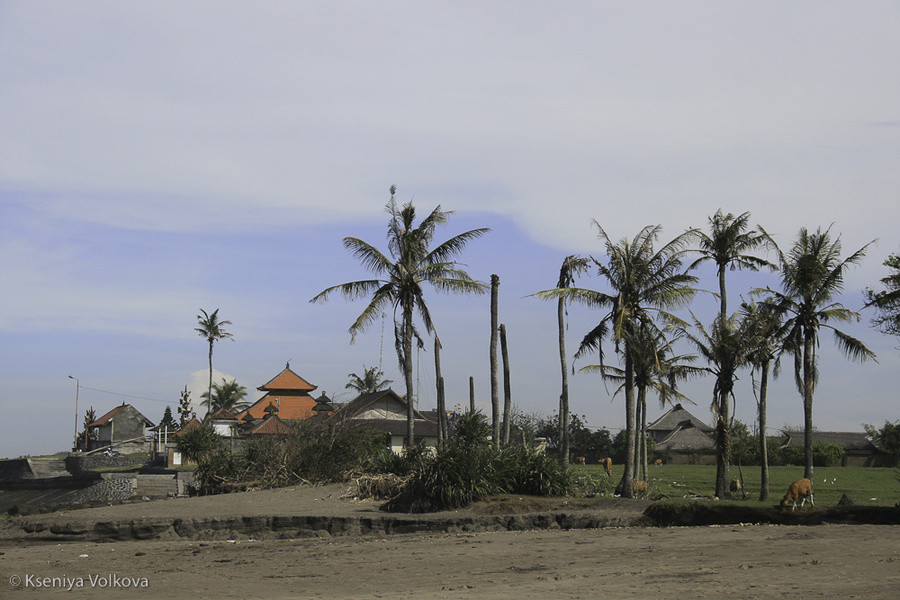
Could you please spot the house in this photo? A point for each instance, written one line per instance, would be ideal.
(682, 437)
(123, 427)
(386, 412)
(859, 451)
(287, 395)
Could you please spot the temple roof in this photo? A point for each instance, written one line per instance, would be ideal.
(287, 381)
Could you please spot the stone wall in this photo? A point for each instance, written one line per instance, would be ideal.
(79, 463)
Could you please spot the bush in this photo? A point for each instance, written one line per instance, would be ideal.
(199, 442)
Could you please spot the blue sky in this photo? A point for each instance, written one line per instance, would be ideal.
(161, 157)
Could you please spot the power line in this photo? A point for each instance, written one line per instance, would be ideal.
(84, 387)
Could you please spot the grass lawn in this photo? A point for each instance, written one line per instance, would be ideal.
(864, 485)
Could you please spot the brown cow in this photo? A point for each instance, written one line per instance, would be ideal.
(735, 485)
(579, 460)
(802, 488)
(607, 464)
(657, 462)
(640, 487)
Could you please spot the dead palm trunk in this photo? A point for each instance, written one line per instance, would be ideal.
(507, 393)
(472, 395)
(495, 384)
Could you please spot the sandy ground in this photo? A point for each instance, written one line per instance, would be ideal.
(827, 561)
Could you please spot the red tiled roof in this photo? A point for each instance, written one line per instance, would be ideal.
(287, 380)
(290, 407)
(223, 415)
(187, 426)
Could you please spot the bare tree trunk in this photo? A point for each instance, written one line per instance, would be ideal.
(763, 447)
(808, 385)
(495, 384)
(507, 392)
(723, 446)
(564, 396)
(441, 409)
(472, 395)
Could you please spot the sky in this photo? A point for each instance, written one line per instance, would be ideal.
(158, 158)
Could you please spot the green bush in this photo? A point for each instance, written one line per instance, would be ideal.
(199, 442)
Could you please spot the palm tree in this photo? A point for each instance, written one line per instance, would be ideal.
(572, 266)
(763, 338)
(410, 264)
(812, 274)
(727, 245)
(645, 283)
(887, 301)
(213, 330)
(372, 380)
(229, 395)
(723, 348)
(653, 370)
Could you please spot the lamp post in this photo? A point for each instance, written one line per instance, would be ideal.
(77, 387)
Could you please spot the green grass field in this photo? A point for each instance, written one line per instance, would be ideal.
(864, 485)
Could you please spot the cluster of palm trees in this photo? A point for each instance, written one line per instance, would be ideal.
(645, 282)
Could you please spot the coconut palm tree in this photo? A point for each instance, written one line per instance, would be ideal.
(410, 262)
(887, 301)
(723, 349)
(213, 330)
(229, 395)
(654, 370)
(372, 380)
(727, 245)
(644, 283)
(812, 275)
(763, 339)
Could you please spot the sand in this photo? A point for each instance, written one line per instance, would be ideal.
(750, 561)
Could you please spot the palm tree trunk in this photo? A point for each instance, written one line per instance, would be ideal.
(643, 438)
(471, 394)
(763, 447)
(564, 396)
(209, 389)
(723, 444)
(408, 374)
(495, 384)
(637, 441)
(507, 392)
(808, 385)
(442, 433)
(626, 486)
(723, 299)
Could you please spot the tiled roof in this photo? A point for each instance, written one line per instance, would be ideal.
(363, 401)
(686, 437)
(421, 428)
(223, 415)
(290, 407)
(287, 380)
(850, 440)
(187, 427)
(271, 426)
(109, 416)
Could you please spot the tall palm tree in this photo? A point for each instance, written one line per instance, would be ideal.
(812, 275)
(572, 266)
(644, 283)
(723, 349)
(887, 301)
(410, 263)
(213, 330)
(727, 245)
(229, 395)
(763, 339)
(372, 380)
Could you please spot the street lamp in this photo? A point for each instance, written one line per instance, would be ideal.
(77, 386)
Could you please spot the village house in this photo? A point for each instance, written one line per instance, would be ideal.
(124, 427)
(682, 438)
(386, 411)
(859, 451)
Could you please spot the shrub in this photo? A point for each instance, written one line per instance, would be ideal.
(199, 442)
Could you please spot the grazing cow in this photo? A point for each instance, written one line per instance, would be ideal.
(579, 460)
(657, 462)
(607, 464)
(735, 485)
(639, 487)
(802, 488)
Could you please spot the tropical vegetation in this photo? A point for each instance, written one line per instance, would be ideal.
(212, 329)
